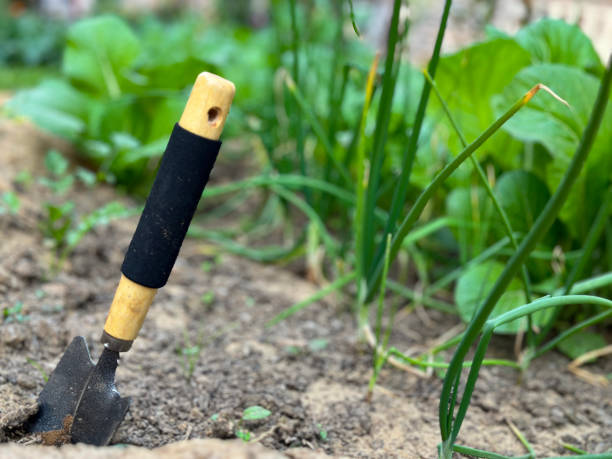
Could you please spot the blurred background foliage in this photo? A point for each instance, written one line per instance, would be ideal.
(114, 84)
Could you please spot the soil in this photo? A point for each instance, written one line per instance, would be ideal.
(310, 371)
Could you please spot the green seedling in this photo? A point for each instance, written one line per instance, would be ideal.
(206, 266)
(322, 432)
(318, 344)
(86, 177)
(10, 203)
(252, 413)
(190, 350)
(190, 353)
(24, 178)
(64, 229)
(14, 313)
(208, 298)
(60, 181)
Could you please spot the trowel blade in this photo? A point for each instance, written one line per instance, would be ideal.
(101, 408)
(61, 394)
(86, 393)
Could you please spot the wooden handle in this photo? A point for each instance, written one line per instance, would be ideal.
(204, 115)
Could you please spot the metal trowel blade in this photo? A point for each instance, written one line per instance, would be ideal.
(101, 408)
(61, 394)
(82, 393)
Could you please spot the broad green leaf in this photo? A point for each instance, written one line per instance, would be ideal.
(473, 287)
(170, 58)
(559, 128)
(581, 343)
(557, 42)
(523, 196)
(467, 81)
(254, 413)
(53, 105)
(473, 208)
(99, 52)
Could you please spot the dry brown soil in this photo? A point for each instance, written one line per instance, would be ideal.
(310, 371)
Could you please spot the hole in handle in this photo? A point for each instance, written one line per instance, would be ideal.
(214, 115)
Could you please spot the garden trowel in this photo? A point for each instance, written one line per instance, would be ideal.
(80, 403)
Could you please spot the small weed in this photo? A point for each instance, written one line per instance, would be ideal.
(244, 435)
(208, 298)
(86, 177)
(10, 202)
(190, 354)
(62, 227)
(206, 266)
(190, 351)
(293, 350)
(252, 413)
(317, 344)
(59, 219)
(60, 181)
(55, 163)
(24, 178)
(322, 432)
(14, 313)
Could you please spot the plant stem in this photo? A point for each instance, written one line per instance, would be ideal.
(483, 178)
(295, 40)
(360, 191)
(383, 117)
(399, 195)
(336, 285)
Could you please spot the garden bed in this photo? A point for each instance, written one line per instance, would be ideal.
(310, 371)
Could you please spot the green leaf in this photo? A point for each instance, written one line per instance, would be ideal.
(86, 176)
(12, 201)
(317, 344)
(101, 216)
(53, 105)
(254, 413)
(99, 52)
(473, 287)
(56, 163)
(60, 186)
(576, 345)
(473, 208)
(467, 81)
(557, 42)
(59, 219)
(558, 128)
(523, 196)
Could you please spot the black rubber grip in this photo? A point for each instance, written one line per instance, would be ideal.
(181, 178)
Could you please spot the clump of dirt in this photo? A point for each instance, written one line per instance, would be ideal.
(61, 436)
(205, 354)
